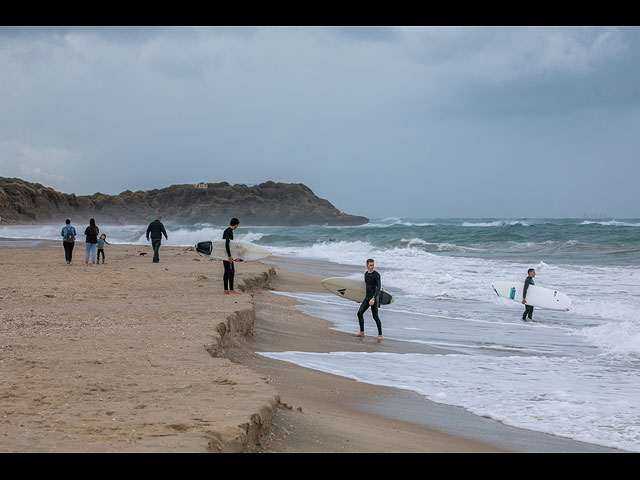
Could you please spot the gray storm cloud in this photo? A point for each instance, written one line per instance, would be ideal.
(412, 122)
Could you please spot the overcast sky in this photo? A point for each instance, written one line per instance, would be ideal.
(410, 122)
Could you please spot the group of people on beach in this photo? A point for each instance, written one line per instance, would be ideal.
(156, 230)
(93, 243)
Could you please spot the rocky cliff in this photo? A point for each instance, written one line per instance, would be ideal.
(269, 203)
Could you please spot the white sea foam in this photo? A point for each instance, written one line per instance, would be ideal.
(179, 236)
(440, 247)
(395, 221)
(40, 232)
(615, 338)
(496, 223)
(562, 396)
(425, 274)
(349, 253)
(611, 223)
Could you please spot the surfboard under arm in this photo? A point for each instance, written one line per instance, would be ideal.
(353, 289)
(243, 251)
(537, 296)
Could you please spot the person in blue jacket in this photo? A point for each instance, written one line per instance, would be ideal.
(68, 240)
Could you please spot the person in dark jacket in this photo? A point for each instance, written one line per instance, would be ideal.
(68, 240)
(373, 285)
(528, 309)
(91, 242)
(156, 230)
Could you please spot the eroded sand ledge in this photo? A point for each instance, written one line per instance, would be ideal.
(125, 357)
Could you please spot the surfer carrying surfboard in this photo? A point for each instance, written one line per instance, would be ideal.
(229, 270)
(528, 309)
(372, 298)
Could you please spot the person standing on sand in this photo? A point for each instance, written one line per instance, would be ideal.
(528, 309)
(91, 241)
(229, 270)
(68, 240)
(156, 229)
(373, 285)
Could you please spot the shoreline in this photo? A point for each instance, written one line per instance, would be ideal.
(357, 411)
(135, 357)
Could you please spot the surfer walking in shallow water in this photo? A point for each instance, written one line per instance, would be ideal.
(528, 309)
(373, 285)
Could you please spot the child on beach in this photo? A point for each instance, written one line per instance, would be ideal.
(101, 241)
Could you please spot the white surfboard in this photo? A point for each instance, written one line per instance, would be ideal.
(536, 296)
(352, 289)
(244, 251)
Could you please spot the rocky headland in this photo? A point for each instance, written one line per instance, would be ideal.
(268, 203)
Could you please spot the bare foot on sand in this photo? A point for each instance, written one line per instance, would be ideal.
(361, 334)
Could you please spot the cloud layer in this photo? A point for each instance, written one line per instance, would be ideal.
(413, 122)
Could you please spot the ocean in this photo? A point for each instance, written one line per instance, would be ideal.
(574, 374)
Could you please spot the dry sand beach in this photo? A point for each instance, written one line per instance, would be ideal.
(118, 357)
(133, 356)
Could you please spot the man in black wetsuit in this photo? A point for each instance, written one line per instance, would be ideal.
(229, 271)
(156, 229)
(372, 298)
(528, 309)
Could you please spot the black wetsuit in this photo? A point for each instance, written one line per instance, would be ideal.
(528, 309)
(373, 286)
(229, 271)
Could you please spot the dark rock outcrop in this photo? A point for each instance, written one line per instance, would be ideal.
(269, 203)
